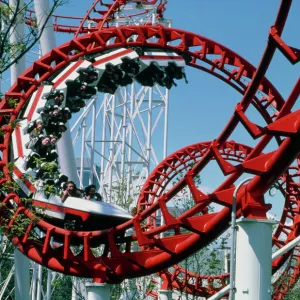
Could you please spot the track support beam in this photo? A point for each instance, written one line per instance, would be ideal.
(165, 295)
(97, 291)
(253, 259)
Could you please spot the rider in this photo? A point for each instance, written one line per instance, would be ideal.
(90, 193)
(70, 191)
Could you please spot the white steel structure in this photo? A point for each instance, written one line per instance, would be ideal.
(21, 267)
(253, 259)
(123, 135)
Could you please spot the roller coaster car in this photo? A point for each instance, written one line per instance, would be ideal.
(88, 75)
(116, 75)
(78, 88)
(106, 85)
(80, 214)
(130, 66)
(54, 97)
(152, 74)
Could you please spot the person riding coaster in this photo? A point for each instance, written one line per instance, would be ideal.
(73, 212)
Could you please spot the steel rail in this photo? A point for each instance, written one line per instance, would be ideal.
(154, 254)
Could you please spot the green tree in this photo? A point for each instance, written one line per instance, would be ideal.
(10, 53)
(294, 293)
(10, 17)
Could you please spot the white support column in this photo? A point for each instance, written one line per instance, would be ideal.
(21, 276)
(166, 124)
(21, 261)
(112, 145)
(149, 131)
(17, 34)
(91, 179)
(165, 295)
(83, 126)
(97, 291)
(33, 280)
(47, 40)
(49, 280)
(102, 162)
(67, 159)
(74, 288)
(129, 290)
(220, 293)
(64, 146)
(253, 259)
(130, 125)
(124, 127)
(39, 283)
(275, 255)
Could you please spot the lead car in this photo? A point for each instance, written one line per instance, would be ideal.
(80, 214)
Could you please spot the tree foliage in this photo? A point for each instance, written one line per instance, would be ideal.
(294, 293)
(11, 17)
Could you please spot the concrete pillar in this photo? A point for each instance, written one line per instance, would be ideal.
(21, 276)
(97, 291)
(21, 261)
(47, 40)
(64, 146)
(165, 295)
(253, 259)
(16, 36)
(129, 289)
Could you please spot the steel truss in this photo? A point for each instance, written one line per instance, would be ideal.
(281, 126)
(272, 128)
(123, 149)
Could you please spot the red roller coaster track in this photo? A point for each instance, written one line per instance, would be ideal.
(193, 228)
(205, 285)
(100, 13)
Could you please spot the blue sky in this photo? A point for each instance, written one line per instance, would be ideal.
(243, 27)
(200, 110)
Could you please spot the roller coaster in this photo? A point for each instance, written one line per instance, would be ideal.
(100, 59)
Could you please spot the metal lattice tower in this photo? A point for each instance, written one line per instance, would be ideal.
(123, 150)
(121, 136)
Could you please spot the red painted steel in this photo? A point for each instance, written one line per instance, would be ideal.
(288, 228)
(153, 257)
(289, 278)
(157, 253)
(100, 13)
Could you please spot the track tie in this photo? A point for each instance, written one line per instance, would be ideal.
(226, 167)
(291, 53)
(220, 62)
(47, 240)
(196, 224)
(14, 95)
(7, 112)
(27, 232)
(59, 53)
(115, 252)
(257, 165)
(142, 239)
(223, 197)
(67, 254)
(286, 126)
(28, 80)
(40, 65)
(98, 38)
(238, 73)
(169, 220)
(87, 253)
(198, 196)
(18, 211)
(254, 130)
